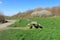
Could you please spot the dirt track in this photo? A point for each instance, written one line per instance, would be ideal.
(3, 26)
(22, 28)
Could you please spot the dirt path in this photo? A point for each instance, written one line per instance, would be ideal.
(22, 28)
(3, 26)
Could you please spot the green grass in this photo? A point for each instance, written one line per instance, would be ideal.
(20, 23)
(45, 22)
(50, 31)
(33, 34)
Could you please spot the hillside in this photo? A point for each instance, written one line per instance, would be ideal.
(54, 10)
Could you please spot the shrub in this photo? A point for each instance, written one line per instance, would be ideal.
(2, 18)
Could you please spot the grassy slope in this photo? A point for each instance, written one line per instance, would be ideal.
(45, 22)
(34, 34)
(50, 31)
(20, 23)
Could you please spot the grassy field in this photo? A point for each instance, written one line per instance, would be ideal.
(20, 23)
(50, 31)
(31, 34)
(45, 22)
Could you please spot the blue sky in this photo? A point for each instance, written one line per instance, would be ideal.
(11, 7)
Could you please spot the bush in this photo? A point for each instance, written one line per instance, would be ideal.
(2, 18)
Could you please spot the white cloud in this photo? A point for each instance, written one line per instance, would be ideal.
(1, 2)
